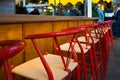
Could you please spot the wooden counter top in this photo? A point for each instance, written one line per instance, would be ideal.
(18, 18)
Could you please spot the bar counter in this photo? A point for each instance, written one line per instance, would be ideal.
(16, 18)
(17, 26)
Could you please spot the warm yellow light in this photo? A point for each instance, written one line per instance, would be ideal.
(64, 2)
(108, 1)
(95, 1)
(17, 2)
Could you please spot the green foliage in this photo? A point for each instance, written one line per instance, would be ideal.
(48, 12)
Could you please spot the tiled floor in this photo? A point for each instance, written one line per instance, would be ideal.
(113, 69)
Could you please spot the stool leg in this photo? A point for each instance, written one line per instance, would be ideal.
(104, 48)
(95, 62)
(77, 70)
(84, 66)
(92, 66)
(111, 38)
(101, 61)
(7, 71)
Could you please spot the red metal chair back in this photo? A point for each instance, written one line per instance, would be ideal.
(55, 36)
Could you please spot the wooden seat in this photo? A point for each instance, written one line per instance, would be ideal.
(65, 47)
(34, 69)
(82, 39)
(8, 49)
(49, 66)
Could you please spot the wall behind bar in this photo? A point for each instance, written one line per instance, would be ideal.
(7, 6)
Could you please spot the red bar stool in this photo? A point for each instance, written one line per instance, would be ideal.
(96, 34)
(105, 40)
(94, 40)
(95, 44)
(104, 43)
(8, 49)
(109, 27)
(102, 30)
(108, 34)
(50, 66)
(83, 50)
